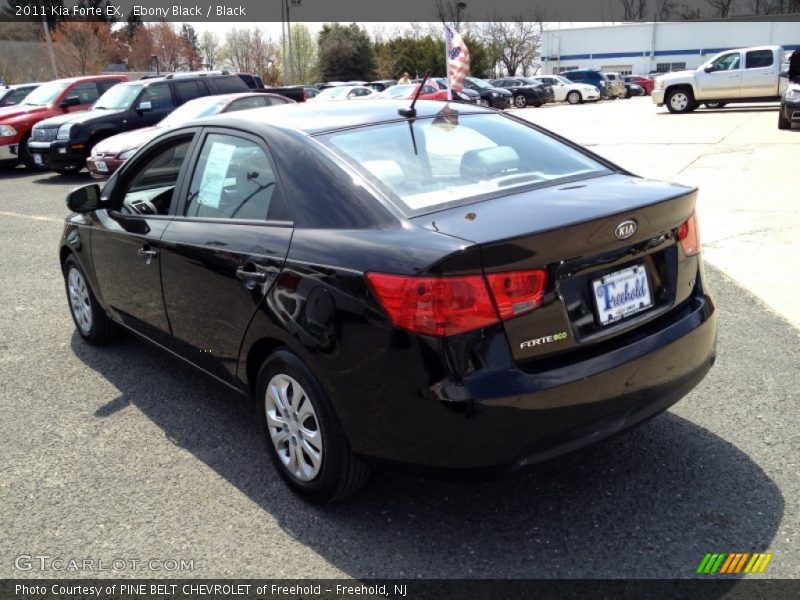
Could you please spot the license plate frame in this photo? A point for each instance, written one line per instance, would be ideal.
(101, 166)
(621, 294)
(37, 158)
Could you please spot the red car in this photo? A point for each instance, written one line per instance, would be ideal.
(48, 100)
(406, 92)
(109, 154)
(646, 82)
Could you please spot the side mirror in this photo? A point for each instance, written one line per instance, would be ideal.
(70, 101)
(84, 199)
(145, 106)
(709, 69)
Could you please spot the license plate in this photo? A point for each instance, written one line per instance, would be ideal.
(101, 166)
(37, 158)
(621, 294)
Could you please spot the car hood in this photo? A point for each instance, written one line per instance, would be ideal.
(80, 117)
(19, 110)
(676, 75)
(130, 140)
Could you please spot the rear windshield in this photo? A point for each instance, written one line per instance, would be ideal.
(433, 163)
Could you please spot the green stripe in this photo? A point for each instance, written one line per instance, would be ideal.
(703, 562)
(718, 564)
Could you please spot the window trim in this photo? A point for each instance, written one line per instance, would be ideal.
(200, 141)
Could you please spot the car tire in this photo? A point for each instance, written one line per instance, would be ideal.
(71, 170)
(574, 97)
(714, 104)
(91, 321)
(783, 122)
(485, 102)
(296, 434)
(25, 157)
(680, 101)
(520, 101)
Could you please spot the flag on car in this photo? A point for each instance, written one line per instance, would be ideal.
(457, 59)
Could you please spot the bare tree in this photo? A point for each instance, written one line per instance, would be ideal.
(634, 10)
(451, 11)
(514, 43)
(721, 8)
(209, 49)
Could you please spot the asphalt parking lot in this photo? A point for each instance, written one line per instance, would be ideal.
(123, 452)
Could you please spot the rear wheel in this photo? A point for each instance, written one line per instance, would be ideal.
(91, 320)
(714, 104)
(303, 436)
(783, 122)
(25, 157)
(521, 101)
(680, 101)
(574, 97)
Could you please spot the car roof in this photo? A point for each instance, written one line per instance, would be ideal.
(312, 118)
(91, 78)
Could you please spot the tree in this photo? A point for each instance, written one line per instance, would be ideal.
(192, 47)
(345, 53)
(209, 49)
(82, 47)
(160, 40)
(304, 54)
(722, 8)
(514, 42)
(249, 51)
(634, 10)
(451, 11)
(132, 24)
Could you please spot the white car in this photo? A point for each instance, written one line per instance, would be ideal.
(565, 90)
(345, 92)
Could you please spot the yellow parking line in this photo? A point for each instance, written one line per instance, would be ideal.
(4, 213)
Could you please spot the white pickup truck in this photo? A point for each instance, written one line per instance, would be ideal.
(741, 75)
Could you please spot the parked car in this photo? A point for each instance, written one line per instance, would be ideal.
(14, 94)
(320, 262)
(616, 84)
(790, 101)
(109, 154)
(465, 94)
(431, 90)
(565, 90)
(523, 93)
(381, 85)
(643, 81)
(633, 89)
(49, 99)
(741, 75)
(490, 95)
(63, 143)
(593, 77)
(345, 92)
(297, 93)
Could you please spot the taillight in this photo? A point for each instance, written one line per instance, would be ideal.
(517, 292)
(689, 236)
(445, 306)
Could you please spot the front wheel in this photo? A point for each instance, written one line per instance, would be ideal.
(520, 101)
(303, 436)
(25, 157)
(485, 102)
(91, 320)
(574, 98)
(783, 122)
(680, 101)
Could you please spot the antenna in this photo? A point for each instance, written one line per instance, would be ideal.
(411, 112)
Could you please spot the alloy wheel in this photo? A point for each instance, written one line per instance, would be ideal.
(79, 300)
(520, 101)
(679, 101)
(293, 427)
(484, 102)
(574, 98)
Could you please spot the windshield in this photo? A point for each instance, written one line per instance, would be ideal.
(118, 97)
(479, 83)
(45, 94)
(457, 159)
(194, 109)
(333, 93)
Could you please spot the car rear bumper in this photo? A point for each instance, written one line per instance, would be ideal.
(791, 109)
(504, 418)
(56, 155)
(111, 163)
(657, 97)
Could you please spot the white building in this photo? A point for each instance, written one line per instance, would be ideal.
(640, 48)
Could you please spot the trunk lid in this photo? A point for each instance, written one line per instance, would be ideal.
(569, 231)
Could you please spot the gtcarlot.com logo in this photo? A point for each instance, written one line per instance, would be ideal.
(733, 563)
(43, 562)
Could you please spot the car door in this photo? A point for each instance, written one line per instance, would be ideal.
(760, 74)
(724, 80)
(224, 248)
(126, 242)
(85, 91)
(159, 98)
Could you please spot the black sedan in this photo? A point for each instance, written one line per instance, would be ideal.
(492, 96)
(451, 287)
(525, 92)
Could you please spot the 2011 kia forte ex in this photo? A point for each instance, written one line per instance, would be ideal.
(444, 286)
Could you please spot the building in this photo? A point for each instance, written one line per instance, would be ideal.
(658, 47)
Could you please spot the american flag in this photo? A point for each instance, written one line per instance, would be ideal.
(458, 59)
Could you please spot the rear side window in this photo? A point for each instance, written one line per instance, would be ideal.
(457, 159)
(159, 96)
(230, 84)
(756, 59)
(233, 179)
(189, 90)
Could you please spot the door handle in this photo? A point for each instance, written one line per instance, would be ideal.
(251, 278)
(147, 254)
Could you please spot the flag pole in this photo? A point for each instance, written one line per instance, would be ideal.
(447, 63)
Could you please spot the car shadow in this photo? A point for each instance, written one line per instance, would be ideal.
(646, 504)
(52, 178)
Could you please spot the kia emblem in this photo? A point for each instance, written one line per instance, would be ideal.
(625, 229)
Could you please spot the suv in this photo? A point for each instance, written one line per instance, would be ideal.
(49, 99)
(593, 77)
(63, 143)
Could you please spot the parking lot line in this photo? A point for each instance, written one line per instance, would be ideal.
(4, 213)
